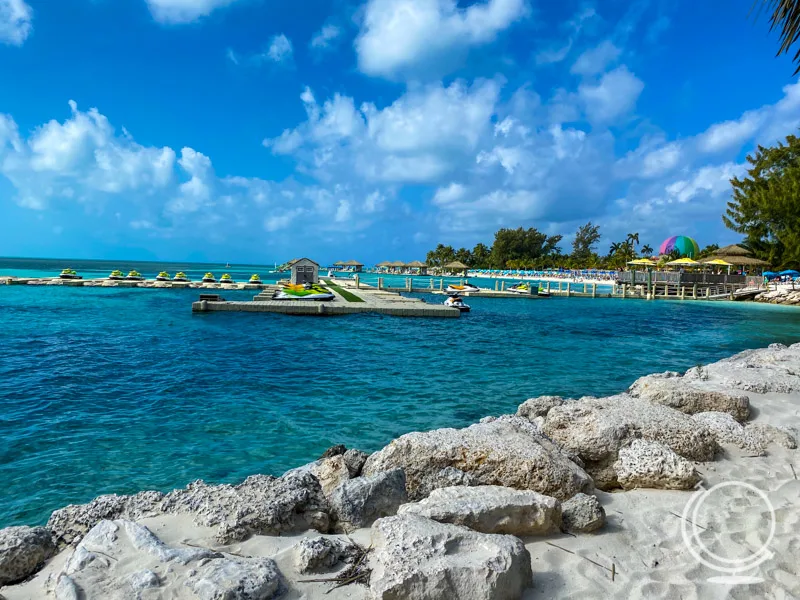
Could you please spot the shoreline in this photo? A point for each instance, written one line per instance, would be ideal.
(728, 421)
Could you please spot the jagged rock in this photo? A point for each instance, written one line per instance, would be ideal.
(582, 514)
(596, 428)
(490, 509)
(538, 407)
(684, 395)
(73, 521)
(773, 369)
(415, 558)
(727, 431)
(336, 450)
(646, 464)
(22, 551)
(104, 567)
(321, 553)
(509, 451)
(447, 477)
(259, 505)
(359, 502)
(764, 434)
(329, 470)
(355, 459)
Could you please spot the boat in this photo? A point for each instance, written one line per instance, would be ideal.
(255, 278)
(543, 293)
(523, 288)
(209, 278)
(163, 276)
(69, 274)
(455, 301)
(306, 291)
(134, 276)
(116, 275)
(227, 265)
(462, 289)
(226, 279)
(180, 276)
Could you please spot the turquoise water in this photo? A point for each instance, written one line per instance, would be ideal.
(118, 390)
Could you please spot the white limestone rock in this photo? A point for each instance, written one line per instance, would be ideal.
(490, 509)
(415, 558)
(596, 428)
(582, 514)
(764, 434)
(727, 431)
(330, 471)
(355, 459)
(509, 451)
(106, 565)
(359, 502)
(687, 396)
(23, 550)
(538, 407)
(313, 555)
(646, 464)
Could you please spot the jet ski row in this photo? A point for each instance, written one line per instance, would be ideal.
(180, 277)
(518, 288)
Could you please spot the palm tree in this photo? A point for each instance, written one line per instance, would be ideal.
(615, 247)
(647, 250)
(633, 239)
(786, 17)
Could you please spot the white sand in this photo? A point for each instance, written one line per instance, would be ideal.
(642, 538)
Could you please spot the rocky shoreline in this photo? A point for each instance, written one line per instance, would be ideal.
(784, 295)
(467, 513)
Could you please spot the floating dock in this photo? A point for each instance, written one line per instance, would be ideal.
(369, 301)
(122, 283)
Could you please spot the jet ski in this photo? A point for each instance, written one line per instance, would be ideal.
(523, 288)
(543, 293)
(255, 278)
(162, 276)
(301, 291)
(69, 274)
(461, 289)
(180, 276)
(116, 275)
(455, 301)
(226, 279)
(134, 276)
(209, 278)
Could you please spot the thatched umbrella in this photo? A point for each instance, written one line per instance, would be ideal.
(457, 265)
(417, 264)
(732, 250)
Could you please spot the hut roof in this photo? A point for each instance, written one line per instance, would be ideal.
(739, 260)
(398, 263)
(733, 250)
(338, 263)
(456, 265)
(297, 260)
(291, 262)
(416, 263)
(352, 263)
(385, 263)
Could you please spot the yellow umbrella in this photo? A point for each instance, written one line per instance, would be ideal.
(642, 261)
(717, 261)
(683, 262)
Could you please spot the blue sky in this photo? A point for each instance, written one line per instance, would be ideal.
(257, 130)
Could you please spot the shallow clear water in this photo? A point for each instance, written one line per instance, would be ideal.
(118, 390)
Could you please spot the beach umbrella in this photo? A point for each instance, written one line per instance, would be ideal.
(642, 261)
(790, 272)
(769, 274)
(683, 244)
(717, 261)
(683, 262)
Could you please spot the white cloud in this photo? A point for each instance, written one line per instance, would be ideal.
(613, 97)
(449, 195)
(15, 22)
(596, 60)
(280, 49)
(281, 221)
(403, 37)
(326, 37)
(343, 212)
(558, 50)
(183, 11)
(712, 180)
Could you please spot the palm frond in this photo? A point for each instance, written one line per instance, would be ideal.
(785, 18)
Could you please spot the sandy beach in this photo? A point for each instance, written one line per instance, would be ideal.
(641, 541)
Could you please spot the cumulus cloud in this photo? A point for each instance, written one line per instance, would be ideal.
(280, 49)
(400, 38)
(614, 96)
(326, 37)
(15, 22)
(183, 11)
(596, 60)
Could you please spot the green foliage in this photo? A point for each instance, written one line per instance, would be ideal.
(765, 207)
(481, 255)
(529, 248)
(586, 239)
(707, 251)
(440, 256)
(647, 250)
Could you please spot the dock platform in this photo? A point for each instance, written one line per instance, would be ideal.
(372, 302)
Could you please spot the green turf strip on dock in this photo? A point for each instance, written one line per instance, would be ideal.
(350, 297)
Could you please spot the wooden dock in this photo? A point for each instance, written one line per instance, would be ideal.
(373, 301)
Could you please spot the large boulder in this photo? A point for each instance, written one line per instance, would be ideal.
(765, 434)
(415, 558)
(355, 459)
(360, 501)
(330, 471)
(645, 464)
(119, 560)
(582, 514)
(260, 505)
(687, 396)
(22, 551)
(597, 428)
(447, 477)
(538, 407)
(509, 451)
(490, 509)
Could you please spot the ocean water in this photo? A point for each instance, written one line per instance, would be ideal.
(118, 390)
